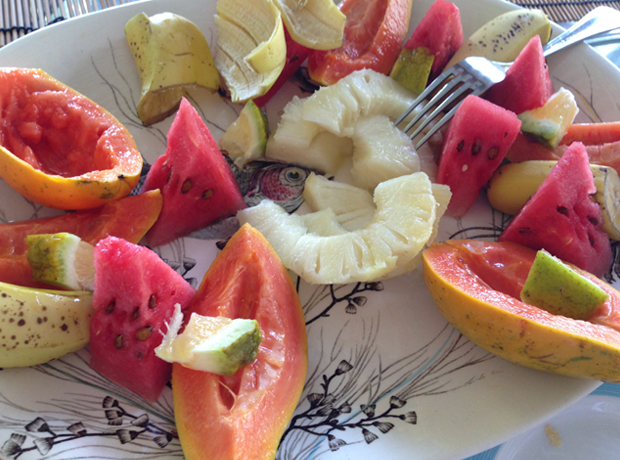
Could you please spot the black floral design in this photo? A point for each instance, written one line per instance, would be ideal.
(125, 426)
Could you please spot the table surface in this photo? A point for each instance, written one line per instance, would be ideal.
(19, 17)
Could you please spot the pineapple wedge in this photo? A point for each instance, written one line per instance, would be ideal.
(363, 93)
(352, 206)
(306, 143)
(403, 223)
(381, 152)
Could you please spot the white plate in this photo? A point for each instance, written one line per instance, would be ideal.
(589, 428)
(399, 346)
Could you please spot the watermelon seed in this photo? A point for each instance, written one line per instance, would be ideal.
(118, 341)
(593, 220)
(493, 153)
(525, 230)
(563, 210)
(110, 308)
(144, 333)
(207, 193)
(592, 242)
(460, 146)
(152, 302)
(476, 147)
(136, 313)
(187, 185)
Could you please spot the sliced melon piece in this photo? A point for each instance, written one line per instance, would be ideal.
(211, 344)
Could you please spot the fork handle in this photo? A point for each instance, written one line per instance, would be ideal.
(597, 21)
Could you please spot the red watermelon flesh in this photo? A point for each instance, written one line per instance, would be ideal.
(197, 185)
(562, 217)
(134, 297)
(440, 31)
(527, 84)
(475, 144)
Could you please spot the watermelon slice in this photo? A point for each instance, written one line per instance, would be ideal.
(475, 144)
(134, 297)
(197, 185)
(527, 84)
(562, 218)
(440, 31)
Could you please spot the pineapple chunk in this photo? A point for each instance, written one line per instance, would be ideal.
(306, 143)
(402, 224)
(381, 152)
(363, 93)
(353, 207)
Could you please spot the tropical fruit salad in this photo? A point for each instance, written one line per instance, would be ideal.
(372, 206)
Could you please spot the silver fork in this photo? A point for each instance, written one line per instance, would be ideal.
(474, 75)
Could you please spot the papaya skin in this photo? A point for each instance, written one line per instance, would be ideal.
(244, 416)
(79, 159)
(513, 330)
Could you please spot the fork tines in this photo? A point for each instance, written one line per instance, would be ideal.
(473, 75)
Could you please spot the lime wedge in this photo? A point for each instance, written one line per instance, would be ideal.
(245, 140)
(212, 344)
(63, 260)
(555, 287)
(412, 68)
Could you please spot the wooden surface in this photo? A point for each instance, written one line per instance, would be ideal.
(18, 17)
(567, 10)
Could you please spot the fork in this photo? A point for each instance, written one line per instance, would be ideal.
(474, 75)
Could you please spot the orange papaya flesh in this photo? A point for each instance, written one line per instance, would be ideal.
(244, 416)
(60, 149)
(374, 33)
(470, 283)
(128, 218)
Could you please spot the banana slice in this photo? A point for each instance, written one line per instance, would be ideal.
(503, 38)
(251, 48)
(316, 24)
(172, 55)
(40, 325)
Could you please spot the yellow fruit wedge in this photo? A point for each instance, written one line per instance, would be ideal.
(172, 55)
(316, 24)
(549, 123)
(502, 39)
(251, 48)
(513, 184)
(41, 324)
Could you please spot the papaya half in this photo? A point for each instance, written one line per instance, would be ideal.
(60, 149)
(476, 286)
(128, 218)
(244, 416)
